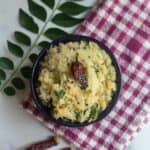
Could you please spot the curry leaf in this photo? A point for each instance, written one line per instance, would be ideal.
(6, 63)
(37, 10)
(27, 21)
(26, 71)
(9, 91)
(49, 3)
(33, 57)
(15, 49)
(2, 75)
(18, 83)
(22, 38)
(54, 33)
(72, 8)
(64, 20)
(44, 44)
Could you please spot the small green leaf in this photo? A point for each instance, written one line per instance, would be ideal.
(27, 21)
(2, 75)
(94, 111)
(44, 44)
(22, 38)
(59, 94)
(15, 49)
(6, 63)
(33, 57)
(37, 10)
(18, 83)
(26, 72)
(72, 8)
(9, 91)
(54, 33)
(49, 3)
(64, 20)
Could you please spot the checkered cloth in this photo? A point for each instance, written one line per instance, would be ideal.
(124, 27)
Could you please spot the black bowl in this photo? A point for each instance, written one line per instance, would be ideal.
(34, 76)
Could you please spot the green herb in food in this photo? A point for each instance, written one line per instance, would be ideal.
(94, 111)
(77, 114)
(96, 69)
(59, 94)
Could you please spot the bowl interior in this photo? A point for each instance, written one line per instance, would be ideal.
(34, 76)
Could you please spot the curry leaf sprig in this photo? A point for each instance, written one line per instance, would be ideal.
(62, 15)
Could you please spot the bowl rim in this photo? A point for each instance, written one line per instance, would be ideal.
(34, 74)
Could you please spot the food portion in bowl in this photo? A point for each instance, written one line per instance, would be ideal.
(76, 81)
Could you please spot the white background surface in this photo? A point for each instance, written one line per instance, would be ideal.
(17, 128)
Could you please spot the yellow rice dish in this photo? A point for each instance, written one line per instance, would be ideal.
(76, 80)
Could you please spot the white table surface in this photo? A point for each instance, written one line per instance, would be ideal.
(17, 128)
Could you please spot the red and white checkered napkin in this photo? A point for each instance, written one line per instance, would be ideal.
(124, 27)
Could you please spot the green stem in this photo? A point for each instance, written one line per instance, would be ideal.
(6, 82)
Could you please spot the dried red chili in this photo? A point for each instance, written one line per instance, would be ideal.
(79, 73)
(42, 145)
